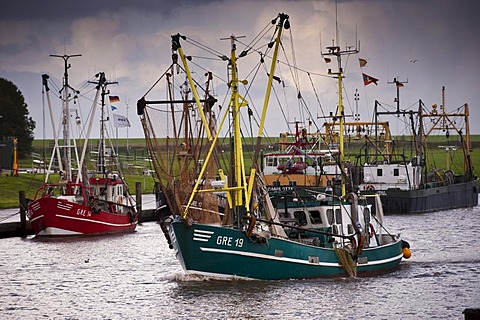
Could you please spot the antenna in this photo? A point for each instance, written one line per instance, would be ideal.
(398, 84)
(66, 114)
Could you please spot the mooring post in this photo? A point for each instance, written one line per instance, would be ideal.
(157, 193)
(23, 213)
(138, 196)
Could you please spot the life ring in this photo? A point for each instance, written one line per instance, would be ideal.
(370, 187)
(372, 230)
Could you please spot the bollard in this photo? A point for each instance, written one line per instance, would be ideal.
(23, 213)
(158, 192)
(138, 196)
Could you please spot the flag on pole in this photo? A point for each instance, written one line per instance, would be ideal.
(362, 62)
(113, 108)
(114, 99)
(369, 79)
(120, 121)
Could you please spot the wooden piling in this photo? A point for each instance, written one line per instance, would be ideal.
(23, 213)
(138, 196)
(158, 190)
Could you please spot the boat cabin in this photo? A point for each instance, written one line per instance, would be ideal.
(403, 176)
(328, 217)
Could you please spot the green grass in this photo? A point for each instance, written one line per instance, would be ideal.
(10, 186)
(29, 182)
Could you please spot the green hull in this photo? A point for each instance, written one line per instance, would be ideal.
(225, 252)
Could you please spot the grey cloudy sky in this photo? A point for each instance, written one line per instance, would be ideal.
(130, 41)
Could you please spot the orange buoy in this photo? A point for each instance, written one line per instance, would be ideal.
(406, 253)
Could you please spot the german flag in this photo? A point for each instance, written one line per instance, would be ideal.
(113, 99)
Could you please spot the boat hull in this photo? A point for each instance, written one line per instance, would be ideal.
(59, 217)
(225, 252)
(458, 195)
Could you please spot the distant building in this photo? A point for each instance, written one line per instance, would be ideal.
(6, 154)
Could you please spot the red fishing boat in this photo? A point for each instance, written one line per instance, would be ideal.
(81, 203)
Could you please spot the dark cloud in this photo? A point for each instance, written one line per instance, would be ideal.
(60, 10)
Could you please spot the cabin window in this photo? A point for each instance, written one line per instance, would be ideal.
(350, 229)
(396, 172)
(330, 216)
(335, 229)
(315, 215)
(379, 172)
(270, 162)
(338, 216)
(301, 217)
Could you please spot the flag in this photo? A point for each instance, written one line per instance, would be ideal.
(362, 62)
(120, 121)
(399, 84)
(114, 99)
(113, 108)
(369, 79)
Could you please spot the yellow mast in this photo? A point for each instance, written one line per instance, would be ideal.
(177, 47)
(335, 51)
(241, 190)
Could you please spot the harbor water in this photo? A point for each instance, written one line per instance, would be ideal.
(136, 276)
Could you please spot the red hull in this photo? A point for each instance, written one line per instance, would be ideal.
(54, 216)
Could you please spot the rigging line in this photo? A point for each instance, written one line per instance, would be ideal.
(309, 113)
(205, 48)
(260, 35)
(316, 95)
(206, 70)
(347, 98)
(294, 57)
(205, 58)
(284, 96)
(249, 48)
(158, 80)
(278, 101)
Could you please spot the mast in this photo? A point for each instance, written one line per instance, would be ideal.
(66, 115)
(283, 22)
(335, 51)
(102, 84)
(239, 193)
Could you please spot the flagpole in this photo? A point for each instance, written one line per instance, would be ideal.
(126, 103)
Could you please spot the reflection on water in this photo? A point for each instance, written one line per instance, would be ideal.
(137, 276)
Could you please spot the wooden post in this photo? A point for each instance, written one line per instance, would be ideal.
(138, 196)
(23, 215)
(157, 189)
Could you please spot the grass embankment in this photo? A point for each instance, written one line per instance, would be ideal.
(30, 182)
(135, 157)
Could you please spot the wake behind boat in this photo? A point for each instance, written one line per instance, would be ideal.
(223, 223)
(81, 203)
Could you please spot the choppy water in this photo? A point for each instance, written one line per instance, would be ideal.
(136, 276)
